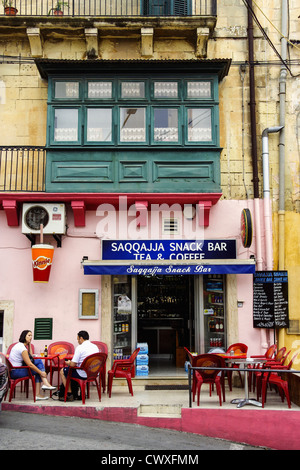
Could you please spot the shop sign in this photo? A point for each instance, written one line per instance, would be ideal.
(270, 299)
(138, 250)
(42, 256)
(246, 228)
(138, 269)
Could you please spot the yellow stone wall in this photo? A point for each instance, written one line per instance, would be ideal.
(23, 100)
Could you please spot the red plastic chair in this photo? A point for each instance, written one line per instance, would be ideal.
(14, 382)
(238, 348)
(61, 349)
(13, 344)
(102, 348)
(273, 379)
(209, 376)
(192, 359)
(269, 354)
(123, 368)
(92, 365)
(280, 356)
(278, 360)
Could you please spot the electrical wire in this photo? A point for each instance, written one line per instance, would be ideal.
(279, 32)
(284, 62)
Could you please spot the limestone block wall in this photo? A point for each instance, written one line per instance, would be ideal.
(23, 93)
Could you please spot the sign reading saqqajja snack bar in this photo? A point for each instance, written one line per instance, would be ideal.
(168, 257)
(168, 249)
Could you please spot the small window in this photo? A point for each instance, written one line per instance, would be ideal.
(165, 90)
(197, 90)
(43, 328)
(65, 90)
(100, 90)
(132, 90)
(88, 304)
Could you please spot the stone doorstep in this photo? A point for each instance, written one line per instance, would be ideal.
(153, 380)
(161, 411)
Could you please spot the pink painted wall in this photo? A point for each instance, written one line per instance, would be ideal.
(59, 298)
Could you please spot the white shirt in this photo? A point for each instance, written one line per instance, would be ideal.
(81, 352)
(15, 355)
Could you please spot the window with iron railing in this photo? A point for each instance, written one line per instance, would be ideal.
(82, 8)
(137, 111)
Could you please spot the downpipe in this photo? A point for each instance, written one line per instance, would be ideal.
(266, 193)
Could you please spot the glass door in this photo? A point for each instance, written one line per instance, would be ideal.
(210, 315)
(124, 330)
(214, 311)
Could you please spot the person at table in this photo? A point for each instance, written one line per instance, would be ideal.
(21, 355)
(85, 348)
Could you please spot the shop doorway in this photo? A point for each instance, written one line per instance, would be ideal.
(165, 321)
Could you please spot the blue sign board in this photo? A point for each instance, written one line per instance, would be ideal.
(169, 269)
(138, 250)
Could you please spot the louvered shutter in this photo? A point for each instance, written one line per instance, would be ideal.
(167, 7)
(182, 7)
(43, 328)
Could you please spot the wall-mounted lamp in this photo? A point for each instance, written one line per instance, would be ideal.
(189, 211)
(240, 303)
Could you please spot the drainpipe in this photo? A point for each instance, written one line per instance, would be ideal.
(259, 265)
(282, 97)
(266, 191)
(254, 141)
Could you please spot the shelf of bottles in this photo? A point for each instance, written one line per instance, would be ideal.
(162, 299)
(122, 314)
(214, 311)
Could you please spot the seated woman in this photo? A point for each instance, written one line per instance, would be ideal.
(21, 354)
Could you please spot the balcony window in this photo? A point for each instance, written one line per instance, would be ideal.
(99, 125)
(199, 125)
(132, 125)
(119, 112)
(165, 125)
(66, 125)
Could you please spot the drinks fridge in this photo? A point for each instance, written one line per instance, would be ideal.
(214, 312)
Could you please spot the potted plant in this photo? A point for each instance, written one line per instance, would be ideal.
(58, 9)
(8, 8)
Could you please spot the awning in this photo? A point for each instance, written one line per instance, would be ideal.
(169, 267)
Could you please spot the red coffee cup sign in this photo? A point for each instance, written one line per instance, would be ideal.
(42, 256)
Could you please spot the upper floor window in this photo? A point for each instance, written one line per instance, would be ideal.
(139, 112)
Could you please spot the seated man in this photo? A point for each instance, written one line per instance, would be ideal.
(85, 348)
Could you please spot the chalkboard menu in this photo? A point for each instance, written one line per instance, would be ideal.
(270, 299)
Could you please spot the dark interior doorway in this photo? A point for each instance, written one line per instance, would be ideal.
(165, 306)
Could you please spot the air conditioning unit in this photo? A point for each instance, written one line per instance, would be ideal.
(52, 216)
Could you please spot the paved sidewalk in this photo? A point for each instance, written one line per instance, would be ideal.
(170, 409)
